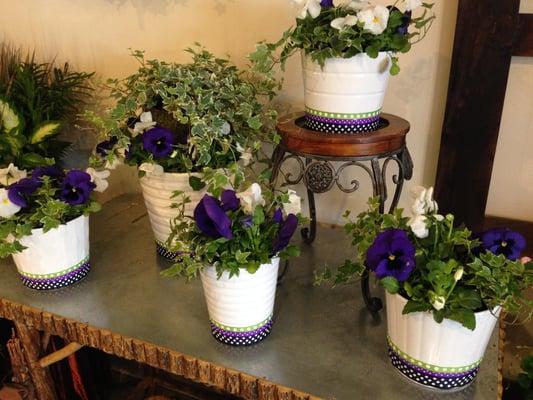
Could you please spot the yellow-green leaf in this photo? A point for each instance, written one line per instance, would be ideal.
(45, 131)
(9, 119)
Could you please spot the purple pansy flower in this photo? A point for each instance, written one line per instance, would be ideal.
(53, 171)
(76, 188)
(286, 230)
(278, 216)
(159, 141)
(230, 201)
(247, 221)
(18, 192)
(326, 3)
(211, 219)
(504, 241)
(106, 146)
(391, 254)
(403, 29)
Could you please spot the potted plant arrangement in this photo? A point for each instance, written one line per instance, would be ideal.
(444, 288)
(173, 120)
(43, 207)
(348, 48)
(235, 241)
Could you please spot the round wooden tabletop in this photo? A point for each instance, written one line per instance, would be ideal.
(388, 138)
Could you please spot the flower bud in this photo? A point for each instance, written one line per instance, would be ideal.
(438, 303)
(458, 274)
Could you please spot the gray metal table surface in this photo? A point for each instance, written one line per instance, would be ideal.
(324, 342)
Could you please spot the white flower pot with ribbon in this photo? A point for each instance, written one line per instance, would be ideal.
(57, 258)
(443, 356)
(241, 307)
(157, 192)
(346, 95)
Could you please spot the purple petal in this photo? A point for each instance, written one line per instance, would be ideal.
(159, 141)
(278, 216)
(76, 188)
(203, 222)
(19, 192)
(53, 171)
(211, 218)
(229, 200)
(286, 230)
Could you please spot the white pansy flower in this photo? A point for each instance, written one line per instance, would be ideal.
(343, 22)
(7, 208)
(458, 274)
(418, 207)
(411, 5)
(151, 169)
(246, 155)
(251, 198)
(11, 175)
(431, 205)
(294, 206)
(352, 4)
(418, 225)
(374, 19)
(424, 202)
(438, 217)
(226, 128)
(311, 7)
(439, 302)
(99, 178)
(145, 123)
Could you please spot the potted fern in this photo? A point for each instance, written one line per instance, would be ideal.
(349, 49)
(234, 241)
(445, 289)
(172, 121)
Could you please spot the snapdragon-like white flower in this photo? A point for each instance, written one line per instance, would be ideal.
(424, 203)
(343, 22)
(375, 19)
(417, 223)
(311, 7)
(294, 206)
(355, 5)
(145, 123)
(11, 174)
(458, 274)
(251, 198)
(246, 155)
(151, 169)
(411, 5)
(99, 178)
(7, 208)
(438, 302)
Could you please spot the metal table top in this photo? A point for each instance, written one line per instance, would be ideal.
(324, 342)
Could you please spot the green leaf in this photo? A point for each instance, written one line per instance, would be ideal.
(390, 284)
(45, 131)
(9, 119)
(259, 215)
(31, 160)
(415, 306)
(466, 317)
(196, 183)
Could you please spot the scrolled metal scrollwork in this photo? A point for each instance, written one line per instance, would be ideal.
(354, 183)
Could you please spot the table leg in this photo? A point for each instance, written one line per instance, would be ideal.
(309, 233)
(277, 160)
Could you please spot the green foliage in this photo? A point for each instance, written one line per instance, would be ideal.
(319, 40)
(44, 211)
(217, 110)
(525, 379)
(36, 100)
(250, 246)
(487, 280)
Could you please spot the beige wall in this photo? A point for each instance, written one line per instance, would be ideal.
(95, 35)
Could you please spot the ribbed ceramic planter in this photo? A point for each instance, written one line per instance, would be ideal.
(157, 192)
(57, 258)
(240, 308)
(346, 95)
(443, 356)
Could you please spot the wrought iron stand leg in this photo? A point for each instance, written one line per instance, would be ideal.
(277, 159)
(373, 304)
(309, 234)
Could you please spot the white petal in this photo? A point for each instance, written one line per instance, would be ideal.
(314, 8)
(146, 117)
(7, 208)
(337, 23)
(350, 20)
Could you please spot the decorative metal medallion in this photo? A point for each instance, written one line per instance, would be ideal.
(319, 176)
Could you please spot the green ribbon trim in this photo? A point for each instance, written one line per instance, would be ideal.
(55, 274)
(430, 367)
(327, 114)
(245, 329)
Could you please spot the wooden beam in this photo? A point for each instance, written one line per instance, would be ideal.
(524, 39)
(483, 46)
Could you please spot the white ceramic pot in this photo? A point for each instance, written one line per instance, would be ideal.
(240, 308)
(346, 95)
(157, 192)
(443, 356)
(57, 258)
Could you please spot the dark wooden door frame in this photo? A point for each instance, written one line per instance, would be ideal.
(488, 33)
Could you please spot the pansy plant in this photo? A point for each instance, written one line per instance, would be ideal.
(234, 231)
(344, 28)
(44, 198)
(172, 117)
(437, 266)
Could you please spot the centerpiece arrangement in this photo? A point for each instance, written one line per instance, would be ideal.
(445, 288)
(235, 241)
(43, 207)
(172, 121)
(348, 49)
